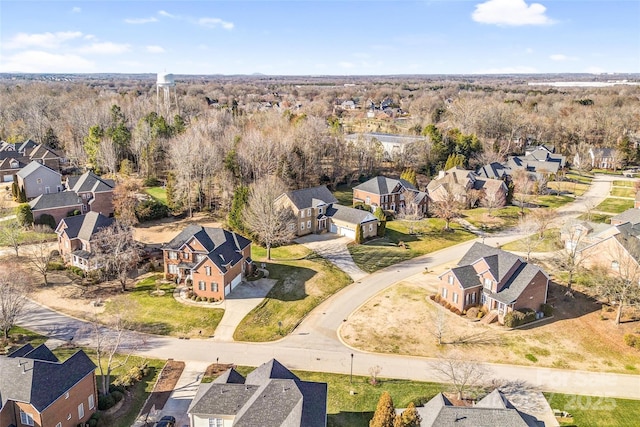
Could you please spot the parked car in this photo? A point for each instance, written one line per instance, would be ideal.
(166, 421)
(630, 173)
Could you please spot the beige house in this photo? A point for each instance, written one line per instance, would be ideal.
(459, 182)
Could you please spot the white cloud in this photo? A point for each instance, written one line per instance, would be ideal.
(511, 13)
(520, 69)
(215, 22)
(562, 57)
(155, 49)
(76, 10)
(165, 14)
(41, 40)
(34, 61)
(105, 48)
(141, 20)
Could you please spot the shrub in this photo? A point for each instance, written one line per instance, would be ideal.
(547, 309)
(481, 314)
(92, 422)
(212, 299)
(362, 206)
(455, 311)
(473, 312)
(150, 210)
(531, 357)
(117, 395)
(46, 219)
(73, 212)
(52, 266)
(24, 215)
(516, 318)
(198, 299)
(436, 297)
(105, 402)
(113, 387)
(77, 271)
(151, 182)
(632, 340)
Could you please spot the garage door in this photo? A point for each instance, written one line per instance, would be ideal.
(235, 282)
(334, 229)
(347, 232)
(7, 178)
(227, 289)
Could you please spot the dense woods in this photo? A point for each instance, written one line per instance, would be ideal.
(226, 132)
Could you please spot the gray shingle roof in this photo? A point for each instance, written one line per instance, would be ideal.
(491, 411)
(494, 170)
(26, 378)
(84, 226)
(88, 181)
(500, 262)
(350, 215)
(223, 247)
(271, 396)
(383, 185)
(630, 215)
(32, 167)
(311, 197)
(467, 276)
(55, 200)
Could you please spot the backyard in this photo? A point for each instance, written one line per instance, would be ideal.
(304, 280)
(405, 240)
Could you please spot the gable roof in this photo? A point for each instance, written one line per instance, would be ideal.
(630, 215)
(270, 395)
(467, 276)
(5, 164)
(349, 215)
(499, 261)
(383, 185)
(55, 200)
(88, 181)
(494, 170)
(310, 197)
(84, 226)
(32, 167)
(38, 377)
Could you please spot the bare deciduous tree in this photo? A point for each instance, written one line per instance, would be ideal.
(529, 229)
(462, 372)
(542, 218)
(523, 185)
(622, 287)
(437, 324)
(39, 256)
(270, 222)
(447, 208)
(493, 200)
(11, 234)
(13, 296)
(116, 251)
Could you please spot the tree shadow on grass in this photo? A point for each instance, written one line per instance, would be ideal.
(291, 281)
(349, 419)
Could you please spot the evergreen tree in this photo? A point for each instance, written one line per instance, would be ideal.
(22, 195)
(50, 139)
(359, 239)
(24, 215)
(409, 175)
(385, 412)
(382, 217)
(454, 160)
(240, 199)
(410, 417)
(92, 143)
(173, 204)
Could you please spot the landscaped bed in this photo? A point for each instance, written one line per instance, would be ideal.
(304, 281)
(405, 240)
(167, 381)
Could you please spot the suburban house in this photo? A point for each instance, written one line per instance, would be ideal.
(36, 179)
(630, 215)
(459, 182)
(494, 170)
(615, 248)
(390, 194)
(270, 396)
(317, 211)
(213, 259)
(36, 389)
(75, 236)
(499, 281)
(392, 145)
(29, 151)
(604, 158)
(492, 410)
(9, 167)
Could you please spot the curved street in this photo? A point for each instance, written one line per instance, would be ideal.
(315, 344)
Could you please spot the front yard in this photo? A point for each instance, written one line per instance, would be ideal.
(614, 205)
(419, 238)
(304, 281)
(499, 219)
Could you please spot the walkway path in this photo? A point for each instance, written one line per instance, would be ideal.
(333, 248)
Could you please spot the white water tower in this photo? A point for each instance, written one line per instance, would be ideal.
(165, 83)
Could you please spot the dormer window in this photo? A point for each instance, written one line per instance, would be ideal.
(487, 283)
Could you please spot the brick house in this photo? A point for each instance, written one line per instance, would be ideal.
(75, 235)
(36, 179)
(495, 279)
(269, 396)
(36, 389)
(459, 182)
(616, 249)
(214, 259)
(317, 211)
(390, 194)
(84, 193)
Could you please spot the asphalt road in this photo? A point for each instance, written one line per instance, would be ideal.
(315, 345)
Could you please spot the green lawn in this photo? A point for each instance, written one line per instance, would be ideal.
(631, 184)
(428, 236)
(588, 411)
(553, 202)
(623, 192)
(584, 178)
(304, 281)
(500, 218)
(550, 242)
(18, 337)
(344, 194)
(31, 236)
(574, 187)
(163, 315)
(158, 193)
(601, 218)
(615, 206)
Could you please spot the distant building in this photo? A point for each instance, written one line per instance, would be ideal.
(392, 145)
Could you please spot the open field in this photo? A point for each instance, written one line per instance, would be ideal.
(614, 206)
(595, 217)
(581, 335)
(304, 281)
(419, 237)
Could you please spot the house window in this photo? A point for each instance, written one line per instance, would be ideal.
(173, 255)
(185, 255)
(368, 200)
(173, 269)
(202, 286)
(473, 298)
(26, 419)
(39, 181)
(444, 292)
(66, 395)
(292, 226)
(214, 287)
(615, 265)
(450, 279)
(319, 210)
(91, 402)
(308, 212)
(215, 422)
(207, 270)
(308, 224)
(302, 226)
(455, 298)
(81, 411)
(487, 283)
(68, 416)
(302, 214)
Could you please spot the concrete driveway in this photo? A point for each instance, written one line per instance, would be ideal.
(184, 392)
(333, 248)
(238, 304)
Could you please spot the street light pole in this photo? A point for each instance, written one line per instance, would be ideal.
(351, 373)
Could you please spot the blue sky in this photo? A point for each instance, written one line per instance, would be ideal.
(320, 37)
